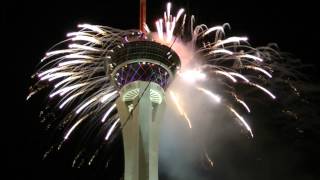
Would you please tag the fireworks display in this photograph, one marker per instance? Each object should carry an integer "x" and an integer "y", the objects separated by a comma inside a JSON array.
[{"x": 85, "y": 77}]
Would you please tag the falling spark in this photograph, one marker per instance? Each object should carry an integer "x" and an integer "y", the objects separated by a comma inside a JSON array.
[
  {"x": 176, "y": 101},
  {"x": 208, "y": 158},
  {"x": 111, "y": 129},
  {"x": 242, "y": 103},
  {"x": 73, "y": 62},
  {"x": 231, "y": 40},
  {"x": 93, "y": 157},
  {"x": 146, "y": 28},
  {"x": 66, "y": 89},
  {"x": 108, "y": 112},
  {"x": 159, "y": 29},
  {"x": 93, "y": 28},
  {"x": 216, "y": 28},
  {"x": 66, "y": 80},
  {"x": 49, "y": 71},
  {"x": 259, "y": 69},
  {"x": 226, "y": 74},
  {"x": 79, "y": 33},
  {"x": 85, "y": 105},
  {"x": 86, "y": 38},
  {"x": 56, "y": 75},
  {"x": 56, "y": 52},
  {"x": 187, "y": 119},
  {"x": 210, "y": 94},
  {"x": 168, "y": 9},
  {"x": 72, "y": 56},
  {"x": 74, "y": 126},
  {"x": 60, "y": 75},
  {"x": 180, "y": 12},
  {"x": 242, "y": 120},
  {"x": 69, "y": 99},
  {"x": 223, "y": 51},
  {"x": 181, "y": 111},
  {"x": 264, "y": 89},
  {"x": 83, "y": 47},
  {"x": 239, "y": 76},
  {"x": 250, "y": 57},
  {"x": 108, "y": 96}
]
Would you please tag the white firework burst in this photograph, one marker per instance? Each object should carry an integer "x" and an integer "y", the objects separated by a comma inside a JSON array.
[{"x": 80, "y": 74}]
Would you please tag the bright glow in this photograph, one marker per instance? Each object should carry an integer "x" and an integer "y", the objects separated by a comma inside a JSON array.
[
  {"x": 108, "y": 112},
  {"x": 112, "y": 129},
  {"x": 192, "y": 75},
  {"x": 215, "y": 97}
]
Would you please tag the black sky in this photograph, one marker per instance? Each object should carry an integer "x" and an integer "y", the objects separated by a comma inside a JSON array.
[{"x": 30, "y": 28}]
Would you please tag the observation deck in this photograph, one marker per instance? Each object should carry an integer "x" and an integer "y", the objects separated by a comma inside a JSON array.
[{"x": 143, "y": 61}]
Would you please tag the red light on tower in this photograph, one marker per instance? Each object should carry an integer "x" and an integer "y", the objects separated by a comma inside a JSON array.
[{"x": 143, "y": 14}]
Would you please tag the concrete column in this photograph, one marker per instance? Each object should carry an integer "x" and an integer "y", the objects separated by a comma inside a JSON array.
[{"x": 141, "y": 130}]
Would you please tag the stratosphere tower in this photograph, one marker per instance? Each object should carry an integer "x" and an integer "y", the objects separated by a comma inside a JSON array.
[
  {"x": 142, "y": 70},
  {"x": 113, "y": 81}
]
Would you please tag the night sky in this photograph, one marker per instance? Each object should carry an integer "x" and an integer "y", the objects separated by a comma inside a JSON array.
[{"x": 30, "y": 28}]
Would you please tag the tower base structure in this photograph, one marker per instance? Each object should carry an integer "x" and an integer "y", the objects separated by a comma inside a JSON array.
[{"x": 141, "y": 105}]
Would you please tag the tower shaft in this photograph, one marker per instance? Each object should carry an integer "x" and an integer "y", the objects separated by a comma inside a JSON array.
[{"x": 141, "y": 129}]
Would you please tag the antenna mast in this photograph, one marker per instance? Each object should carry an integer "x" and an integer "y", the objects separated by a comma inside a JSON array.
[{"x": 143, "y": 4}]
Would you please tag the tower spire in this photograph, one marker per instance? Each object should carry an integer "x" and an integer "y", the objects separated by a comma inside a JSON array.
[{"x": 143, "y": 4}]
